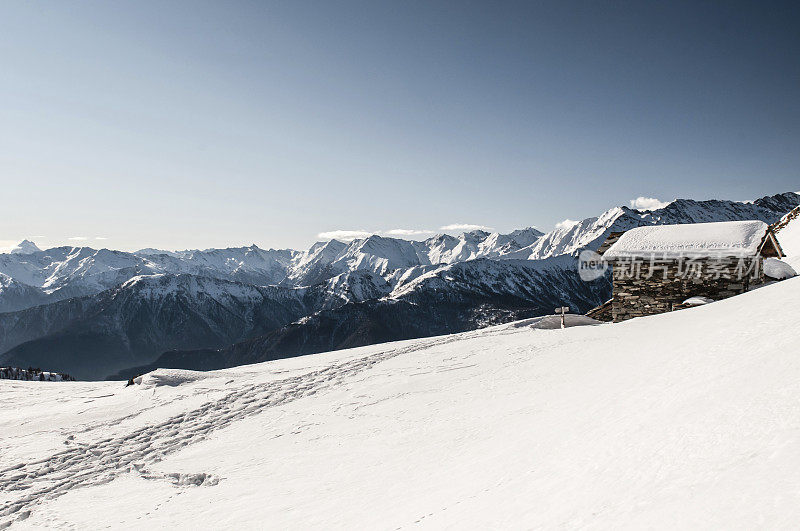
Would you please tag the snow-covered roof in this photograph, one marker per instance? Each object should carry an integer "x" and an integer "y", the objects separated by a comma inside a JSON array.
[{"x": 728, "y": 238}]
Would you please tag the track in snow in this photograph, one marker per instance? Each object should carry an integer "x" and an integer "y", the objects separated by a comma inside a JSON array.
[{"x": 29, "y": 484}]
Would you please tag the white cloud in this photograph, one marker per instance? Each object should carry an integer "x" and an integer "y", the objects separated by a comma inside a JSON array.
[
  {"x": 407, "y": 232},
  {"x": 567, "y": 223},
  {"x": 349, "y": 235},
  {"x": 648, "y": 203},
  {"x": 78, "y": 238},
  {"x": 464, "y": 226},
  {"x": 345, "y": 235},
  {"x": 7, "y": 245},
  {"x": 100, "y": 238}
]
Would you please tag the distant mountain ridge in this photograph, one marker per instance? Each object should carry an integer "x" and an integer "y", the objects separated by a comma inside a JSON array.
[
  {"x": 95, "y": 312},
  {"x": 63, "y": 272}
]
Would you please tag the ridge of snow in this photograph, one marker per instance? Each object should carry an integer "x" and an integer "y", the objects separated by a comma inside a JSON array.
[{"x": 788, "y": 236}]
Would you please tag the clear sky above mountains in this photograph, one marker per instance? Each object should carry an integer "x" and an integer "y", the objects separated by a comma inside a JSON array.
[{"x": 200, "y": 124}]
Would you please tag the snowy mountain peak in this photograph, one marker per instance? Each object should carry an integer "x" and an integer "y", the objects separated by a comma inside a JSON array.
[
  {"x": 475, "y": 235},
  {"x": 329, "y": 248},
  {"x": 25, "y": 247},
  {"x": 528, "y": 231},
  {"x": 441, "y": 238}
]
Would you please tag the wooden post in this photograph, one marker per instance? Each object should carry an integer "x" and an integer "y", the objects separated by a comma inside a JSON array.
[{"x": 562, "y": 310}]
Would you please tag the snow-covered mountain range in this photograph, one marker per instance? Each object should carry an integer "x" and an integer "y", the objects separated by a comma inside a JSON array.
[
  {"x": 30, "y": 276},
  {"x": 93, "y": 312}
]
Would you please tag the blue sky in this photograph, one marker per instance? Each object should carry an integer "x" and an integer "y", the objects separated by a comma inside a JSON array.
[{"x": 199, "y": 124}]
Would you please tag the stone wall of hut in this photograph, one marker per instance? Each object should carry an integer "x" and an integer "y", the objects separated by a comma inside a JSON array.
[{"x": 647, "y": 287}]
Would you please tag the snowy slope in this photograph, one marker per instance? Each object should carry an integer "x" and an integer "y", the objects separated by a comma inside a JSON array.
[
  {"x": 788, "y": 235},
  {"x": 503, "y": 277},
  {"x": 681, "y": 420},
  {"x": 356, "y": 286},
  {"x": 15, "y": 295},
  {"x": 789, "y": 238},
  {"x": 314, "y": 265}
]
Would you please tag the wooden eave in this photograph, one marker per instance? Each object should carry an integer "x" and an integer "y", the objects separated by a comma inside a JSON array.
[
  {"x": 770, "y": 247},
  {"x": 610, "y": 240}
]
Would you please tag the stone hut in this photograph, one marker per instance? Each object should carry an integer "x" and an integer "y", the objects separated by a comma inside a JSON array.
[{"x": 658, "y": 268}]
